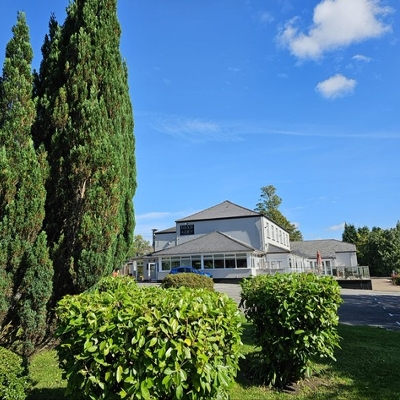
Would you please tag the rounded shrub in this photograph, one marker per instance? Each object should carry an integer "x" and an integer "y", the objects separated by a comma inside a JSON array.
[
  {"x": 295, "y": 317},
  {"x": 149, "y": 343},
  {"x": 14, "y": 382},
  {"x": 111, "y": 283},
  {"x": 188, "y": 280}
]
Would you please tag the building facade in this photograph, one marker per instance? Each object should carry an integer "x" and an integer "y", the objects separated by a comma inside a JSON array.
[{"x": 230, "y": 242}]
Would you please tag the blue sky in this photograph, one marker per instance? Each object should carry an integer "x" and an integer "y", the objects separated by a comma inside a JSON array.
[{"x": 233, "y": 95}]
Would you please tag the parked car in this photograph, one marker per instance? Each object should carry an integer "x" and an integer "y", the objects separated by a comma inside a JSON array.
[{"x": 183, "y": 269}]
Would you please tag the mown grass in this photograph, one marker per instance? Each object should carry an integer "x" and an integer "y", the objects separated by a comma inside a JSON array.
[{"x": 367, "y": 368}]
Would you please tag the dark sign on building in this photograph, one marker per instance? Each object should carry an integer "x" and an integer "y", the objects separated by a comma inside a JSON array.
[{"x": 187, "y": 229}]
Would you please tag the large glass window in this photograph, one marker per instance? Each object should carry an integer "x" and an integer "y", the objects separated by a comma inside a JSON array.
[
  {"x": 166, "y": 264},
  {"x": 175, "y": 262},
  {"x": 196, "y": 262},
  {"x": 230, "y": 261},
  {"x": 241, "y": 261},
  {"x": 219, "y": 261},
  {"x": 208, "y": 262},
  {"x": 186, "y": 262}
]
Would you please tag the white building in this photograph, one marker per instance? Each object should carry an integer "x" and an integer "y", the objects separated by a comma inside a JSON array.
[{"x": 230, "y": 242}]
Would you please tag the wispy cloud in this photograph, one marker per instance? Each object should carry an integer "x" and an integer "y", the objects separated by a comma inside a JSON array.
[
  {"x": 336, "y": 24},
  {"x": 193, "y": 129},
  {"x": 339, "y": 227},
  {"x": 360, "y": 57},
  {"x": 197, "y": 130},
  {"x": 336, "y": 86},
  {"x": 265, "y": 17},
  {"x": 157, "y": 220}
]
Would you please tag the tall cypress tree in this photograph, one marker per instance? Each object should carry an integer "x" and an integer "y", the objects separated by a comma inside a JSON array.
[
  {"x": 90, "y": 145},
  {"x": 25, "y": 268}
]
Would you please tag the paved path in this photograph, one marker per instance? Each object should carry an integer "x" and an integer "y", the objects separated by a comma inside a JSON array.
[{"x": 377, "y": 307}]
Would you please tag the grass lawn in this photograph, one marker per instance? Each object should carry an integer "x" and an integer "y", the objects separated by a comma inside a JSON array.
[{"x": 367, "y": 368}]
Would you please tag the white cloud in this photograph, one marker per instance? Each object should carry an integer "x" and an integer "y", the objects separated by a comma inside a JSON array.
[
  {"x": 360, "y": 57},
  {"x": 193, "y": 129},
  {"x": 336, "y": 23},
  {"x": 336, "y": 86},
  {"x": 339, "y": 227},
  {"x": 197, "y": 130},
  {"x": 265, "y": 18}
]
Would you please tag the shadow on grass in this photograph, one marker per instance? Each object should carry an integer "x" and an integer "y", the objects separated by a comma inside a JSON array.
[
  {"x": 366, "y": 368},
  {"x": 47, "y": 394},
  {"x": 367, "y": 363}
]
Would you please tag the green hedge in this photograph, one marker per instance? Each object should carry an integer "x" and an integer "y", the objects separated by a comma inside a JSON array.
[
  {"x": 188, "y": 280},
  {"x": 14, "y": 381},
  {"x": 295, "y": 319},
  {"x": 112, "y": 283},
  {"x": 149, "y": 343}
]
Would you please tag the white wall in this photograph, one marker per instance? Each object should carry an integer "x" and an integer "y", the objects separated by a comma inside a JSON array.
[
  {"x": 247, "y": 230},
  {"x": 346, "y": 259},
  {"x": 256, "y": 231},
  {"x": 164, "y": 240}
]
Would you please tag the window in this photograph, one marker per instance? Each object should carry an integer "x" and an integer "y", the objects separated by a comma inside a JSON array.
[
  {"x": 219, "y": 261},
  {"x": 208, "y": 262},
  {"x": 241, "y": 261},
  {"x": 175, "y": 262},
  {"x": 230, "y": 261},
  {"x": 186, "y": 261},
  {"x": 196, "y": 262},
  {"x": 166, "y": 264}
]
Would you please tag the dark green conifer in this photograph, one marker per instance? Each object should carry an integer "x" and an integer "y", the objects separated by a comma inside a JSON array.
[
  {"x": 90, "y": 145},
  {"x": 25, "y": 268}
]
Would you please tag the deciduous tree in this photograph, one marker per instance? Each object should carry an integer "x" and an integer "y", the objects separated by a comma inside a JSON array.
[{"x": 268, "y": 205}]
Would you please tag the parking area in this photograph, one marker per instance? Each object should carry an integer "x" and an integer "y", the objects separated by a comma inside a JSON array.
[{"x": 379, "y": 307}]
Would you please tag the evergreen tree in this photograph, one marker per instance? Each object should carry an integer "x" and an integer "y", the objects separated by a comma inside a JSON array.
[
  {"x": 349, "y": 234},
  {"x": 86, "y": 125},
  {"x": 25, "y": 268},
  {"x": 268, "y": 206}
]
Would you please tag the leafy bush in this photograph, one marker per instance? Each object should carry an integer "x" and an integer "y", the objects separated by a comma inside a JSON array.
[
  {"x": 112, "y": 283},
  {"x": 295, "y": 319},
  {"x": 188, "y": 280},
  {"x": 149, "y": 343},
  {"x": 14, "y": 382}
]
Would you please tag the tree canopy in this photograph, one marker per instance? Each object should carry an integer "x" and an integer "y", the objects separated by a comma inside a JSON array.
[
  {"x": 268, "y": 205},
  {"x": 378, "y": 248},
  {"x": 139, "y": 247},
  {"x": 67, "y": 167},
  {"x": 86, "y": 127},
  {"x": 25, "y": 268}
]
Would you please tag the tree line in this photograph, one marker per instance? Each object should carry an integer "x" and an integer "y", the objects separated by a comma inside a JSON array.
[
  {"x": 67, "y": 167},
  {"x": 377, "y": 248}
]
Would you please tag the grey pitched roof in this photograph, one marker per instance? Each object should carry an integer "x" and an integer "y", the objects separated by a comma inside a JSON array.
[
  {"x": 328, "y": 248},
  {"x": 168, "y": 230},
  {"x": 215, "y": 242},
  {"x": 223, "y": 210}
]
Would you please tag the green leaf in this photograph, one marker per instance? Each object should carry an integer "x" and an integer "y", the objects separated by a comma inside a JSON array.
[{"x": 119, "y": 373}]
